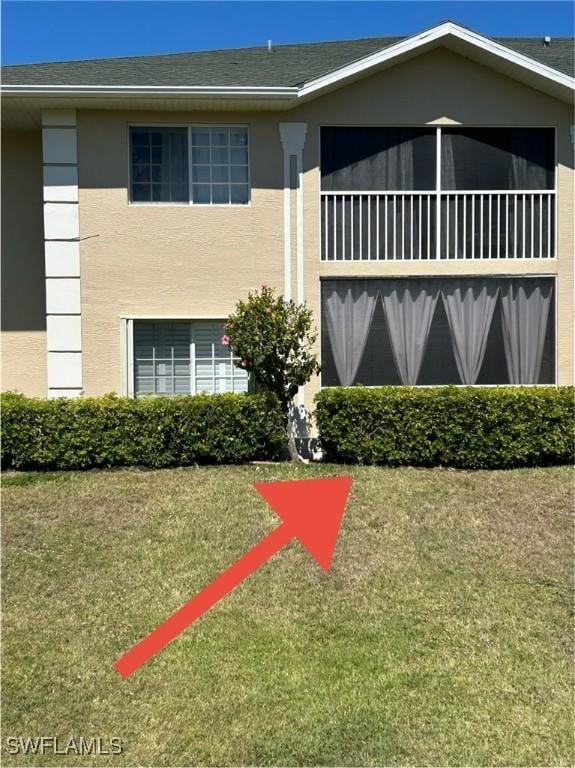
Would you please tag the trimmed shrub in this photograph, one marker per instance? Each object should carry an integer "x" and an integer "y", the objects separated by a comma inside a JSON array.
[
  {"x": 153, "y": 432},
  {"x": 447, "y": 426}
]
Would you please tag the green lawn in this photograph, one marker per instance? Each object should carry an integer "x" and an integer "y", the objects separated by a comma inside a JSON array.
[{"x": 441, "y": 635}]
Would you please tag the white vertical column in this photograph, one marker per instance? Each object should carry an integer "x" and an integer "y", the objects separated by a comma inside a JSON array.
[
  {"x": 299, "y": 233},
  {"x": 127, "y": 355},
  {"x": 62, "y": 253},
  {"x": 438, "y": 193},
  {"x": 293, "y": 140}
]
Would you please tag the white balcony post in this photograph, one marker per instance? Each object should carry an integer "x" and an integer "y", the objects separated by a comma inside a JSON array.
[
  {"x": 293, "y": 139},
  {"x": 437, "y": 192}
]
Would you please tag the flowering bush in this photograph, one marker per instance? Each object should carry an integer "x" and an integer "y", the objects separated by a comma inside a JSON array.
[{"x": 273, "y": 339}]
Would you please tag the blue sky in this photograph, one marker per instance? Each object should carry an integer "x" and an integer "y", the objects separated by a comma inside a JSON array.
[{"x": 80, "y": 29}]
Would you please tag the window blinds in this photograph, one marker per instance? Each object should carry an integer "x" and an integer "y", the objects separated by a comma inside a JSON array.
[{"x": 182, "y": 358}]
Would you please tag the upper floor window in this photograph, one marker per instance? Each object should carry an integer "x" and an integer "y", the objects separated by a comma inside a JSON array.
[
  {"x": 159, "y": 165},
  {"x": 220, "y": 165},
  {"x": 203, "y": 165}
]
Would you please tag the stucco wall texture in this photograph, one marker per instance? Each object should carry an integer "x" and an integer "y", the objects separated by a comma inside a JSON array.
[
  {"x": 195, "y": 262},
  {"x": 23, "y": 341}
]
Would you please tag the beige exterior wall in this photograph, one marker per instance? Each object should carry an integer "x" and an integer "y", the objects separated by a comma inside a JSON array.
[
  {"x": 167, "y": 260},
  {"x": 23, "y": 293},
  {"x": 185, "y": 261},
  {"x": 442, "y": 87}
]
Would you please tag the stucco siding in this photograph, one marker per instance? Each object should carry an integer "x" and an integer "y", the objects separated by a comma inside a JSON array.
[
  {"x": 167, "y": 260},
  {"x": 23, "y": 292},
  {"x": 170, "y": 260},
  {"x": 190, "y": 261},
  {"x": 443, "y": 88}
]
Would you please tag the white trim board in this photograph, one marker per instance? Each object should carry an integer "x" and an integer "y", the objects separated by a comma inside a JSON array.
[
  {"x": 64, "y": 392},
  {"x": 59, "y": 145},
  {"x": 61, "y": 221},
  {"x": 428, "y": 276},
  {"x": 293, "y": 136},
  {"x": 64, "y": 333},
  {"x": 62, "y": 253},
  {"x": 65, "y": 370},
  {"x": 171, "y": 317},
  {"x": 63, "y": 296},
  {"x": 152, "y": 91},
  {"x": 62, "y": 258},
  {"x": 60, "y": 183}
]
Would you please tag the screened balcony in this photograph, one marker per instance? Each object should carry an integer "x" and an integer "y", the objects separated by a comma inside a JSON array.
[
  {"x": 434, "y": 331},
  {"x": 441, "y": 193}
]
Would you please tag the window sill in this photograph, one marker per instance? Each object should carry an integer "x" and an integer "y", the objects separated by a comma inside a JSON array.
[
  {"x": 432, "y": 386},
  {"x": 132, "y": 204}
]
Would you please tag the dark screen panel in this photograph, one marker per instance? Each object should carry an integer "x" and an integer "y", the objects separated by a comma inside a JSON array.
[
  {"x": 497, "y": 158},
  {"x": 363, "y": 159},
  {"x": 377, "y": 367}
]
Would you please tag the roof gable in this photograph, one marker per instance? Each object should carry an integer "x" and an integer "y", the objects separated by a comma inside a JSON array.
[{"x": 463, "y": 41}]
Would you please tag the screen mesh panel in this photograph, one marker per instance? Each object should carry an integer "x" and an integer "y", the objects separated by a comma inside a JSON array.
[
  {"x": 497, "y": 158},
  {"x": 362, "y": 159},
  {"x": 378, "y": 366}
]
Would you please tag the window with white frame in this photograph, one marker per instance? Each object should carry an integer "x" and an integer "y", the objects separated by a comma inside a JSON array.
[
  {"x": 202, "y": 165},
  {"x": 159, "y": 165},
  {"x": 220, "y": 165},
  {"x": 182, "y": 358}
]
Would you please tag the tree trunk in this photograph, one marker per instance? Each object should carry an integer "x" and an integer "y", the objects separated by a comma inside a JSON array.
[
  {"x": 290, "y": 432},
  {"x": 292, "y": 447}
]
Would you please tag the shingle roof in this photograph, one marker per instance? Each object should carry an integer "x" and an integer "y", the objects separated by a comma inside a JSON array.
[
  {"x": 284, "y": 65},
  {"x": 559, "y": 54}
]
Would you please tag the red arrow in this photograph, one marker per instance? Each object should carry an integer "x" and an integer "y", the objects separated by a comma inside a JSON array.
[{"x": 311, "y": 511}]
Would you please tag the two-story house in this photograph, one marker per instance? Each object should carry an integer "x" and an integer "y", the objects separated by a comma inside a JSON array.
[{"x": 417, "y": 193}]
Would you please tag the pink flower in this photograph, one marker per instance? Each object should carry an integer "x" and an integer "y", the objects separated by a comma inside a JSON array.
[
  {"x": 225, "y": 340},
  {"x": 244, "y": 363},
  {"x": 264, "y": 286},
  {"x": 354, "y": 498}
]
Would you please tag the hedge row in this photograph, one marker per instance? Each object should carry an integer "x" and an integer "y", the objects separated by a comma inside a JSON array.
[
  {"x": 153, "y": 432},
  {"x": 447, "y": 426}
]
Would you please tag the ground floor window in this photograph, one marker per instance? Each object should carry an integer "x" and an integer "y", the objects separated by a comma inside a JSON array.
[
  {"x": 182, "y": 358},
  {"x": 425, "y": 331}
]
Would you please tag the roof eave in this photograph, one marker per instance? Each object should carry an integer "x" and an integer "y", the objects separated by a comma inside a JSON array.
[{"x": 152, "y": 91}]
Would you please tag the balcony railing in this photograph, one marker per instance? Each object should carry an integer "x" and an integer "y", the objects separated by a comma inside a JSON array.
[{"x": 388, "y": 226}]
